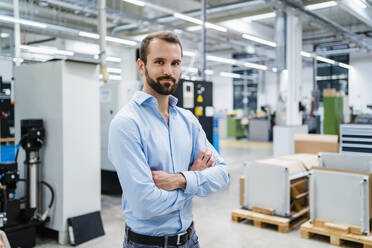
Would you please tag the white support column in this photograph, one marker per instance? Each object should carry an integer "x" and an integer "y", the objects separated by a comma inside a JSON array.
[{"x": 294, "y": 67}]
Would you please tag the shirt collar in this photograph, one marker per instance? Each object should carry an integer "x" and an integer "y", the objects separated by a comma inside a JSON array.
[{"x": 140, "y": 97}]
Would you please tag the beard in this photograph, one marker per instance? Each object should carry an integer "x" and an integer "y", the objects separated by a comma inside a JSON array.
[{"x": 162, "y": 89}]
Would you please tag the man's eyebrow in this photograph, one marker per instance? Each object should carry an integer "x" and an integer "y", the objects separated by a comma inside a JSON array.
[
  {"x": 177, "y": 60},
  {"x": 158, "y": 58}
]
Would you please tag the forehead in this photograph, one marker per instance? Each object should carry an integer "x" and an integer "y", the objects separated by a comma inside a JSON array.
[{"x": 162, "y": 49}]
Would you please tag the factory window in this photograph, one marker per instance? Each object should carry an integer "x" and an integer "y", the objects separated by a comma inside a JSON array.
[
  {"x": 245, "y": 95},
  {"x": 245, "y": 89},
  {"x": 332, "y": 76}
]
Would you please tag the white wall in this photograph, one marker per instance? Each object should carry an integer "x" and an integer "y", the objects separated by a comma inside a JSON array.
[
  {"x": 222, "y": 89},
  {"x": 360, "y": 83}
]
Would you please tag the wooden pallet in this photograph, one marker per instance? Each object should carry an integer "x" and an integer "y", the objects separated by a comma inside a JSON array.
[
  {"x": 337, "y": 233},
  {"x": 284, "y": 224}
]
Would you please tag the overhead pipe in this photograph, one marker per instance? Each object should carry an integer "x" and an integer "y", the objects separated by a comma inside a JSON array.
[
  {"x": 216, "y": 38},
  {"x": 45, "y": 13},
  {"x": 329, "y": 23},
  {"x": 204, "y": 40},
  {"x": 215, "y": 10}
]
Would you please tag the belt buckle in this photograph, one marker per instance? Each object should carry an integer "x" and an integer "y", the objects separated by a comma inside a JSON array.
[{"x": 179, "y": 238}]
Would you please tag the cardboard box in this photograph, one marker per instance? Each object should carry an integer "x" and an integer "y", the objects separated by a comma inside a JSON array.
[
  {"x": 315, "y": 143},
  {"x": 308, "y": 160},
  {"x": 293, "y": 166},
  {"x": 329, "y": 92}
]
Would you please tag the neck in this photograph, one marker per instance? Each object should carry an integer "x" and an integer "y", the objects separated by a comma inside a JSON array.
[{"x": 163, "y": 100}]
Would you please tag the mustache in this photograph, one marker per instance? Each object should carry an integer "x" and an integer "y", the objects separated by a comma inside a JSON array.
[{"x": 166, "y": 77}]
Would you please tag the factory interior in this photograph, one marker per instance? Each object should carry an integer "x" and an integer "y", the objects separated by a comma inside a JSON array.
[{"x": 281, "y": 88}]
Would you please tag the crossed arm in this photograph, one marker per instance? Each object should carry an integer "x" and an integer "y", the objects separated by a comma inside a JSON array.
[{"x": 169, "y": 181}]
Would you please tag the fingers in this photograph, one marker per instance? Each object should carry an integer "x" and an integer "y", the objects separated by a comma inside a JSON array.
[
  {"x": 201, "y": 154},
  {"x": 207, "y": 156},
  {"x": 211, "y": 162}
]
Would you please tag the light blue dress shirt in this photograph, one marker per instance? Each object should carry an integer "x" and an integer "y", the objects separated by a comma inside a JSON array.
[{"x": 141, "y": 141}]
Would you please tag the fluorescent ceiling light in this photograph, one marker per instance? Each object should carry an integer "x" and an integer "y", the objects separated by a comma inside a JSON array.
[
  {"x": 215, "y": 27},
  {"x": 189, "y": 53},
  {"x": 259, "y": 17},
  {"x": 135, "y": 2},
  {"x": 108, "y": 38},
  {"x": 194, "y": 28},
  {"x": 274, "y": 69},
  {"x": 188, "y": 18},
  {"x": 113, "y": 59},
  {"x": 22, "y": 21},
  {"x": 4, "y": 35},
  {"x": 344, "y": 65},
  {"x": 191, "y": 69},
  {"x": 321, "y": 5},
  {"x": 47, "y": 50},
  {"x": 209, "y": 72},
  {"x": 309, "y": 7},
  {"x": 259, "y": 40},
  {"x": 121, "y": 41},
  {"x": 89, "y": 35},
  {"x": 195, "y": 70},
  {"x": 114, "y": 70},
  {"x": 230, "y": 75},
  {"x": 112, "y": 77},
  {"x": 326, "y": 60},
  {"x": 199, "y": 22},
  {"x": 222, "y": 60},
  {"x": 115, "y": 77},
  {"x": 360, "y": 4},
  {"x": 306, "y": 54},
  {"x": 255, "y": 66},
  {"x": 236, "y": 62}
]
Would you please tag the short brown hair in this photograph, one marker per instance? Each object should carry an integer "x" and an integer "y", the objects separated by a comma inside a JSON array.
[{"x": 164, "y": 35}]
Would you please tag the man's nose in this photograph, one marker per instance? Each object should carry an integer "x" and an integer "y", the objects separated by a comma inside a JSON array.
[{"x": 167, "y": 69}]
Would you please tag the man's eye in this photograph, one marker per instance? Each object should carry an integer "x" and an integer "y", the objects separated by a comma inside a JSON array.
[{"x": 159, "y": 62}]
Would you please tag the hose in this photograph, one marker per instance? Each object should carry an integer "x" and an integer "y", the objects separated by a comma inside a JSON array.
[{"x": 45, "y": 214}]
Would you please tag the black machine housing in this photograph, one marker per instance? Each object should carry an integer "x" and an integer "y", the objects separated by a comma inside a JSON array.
[
  {"x": 17, "y": 219},
  {"x": 202, "y": 90}
]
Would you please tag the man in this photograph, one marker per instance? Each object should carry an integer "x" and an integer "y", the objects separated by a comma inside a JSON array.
[{"x": 161, "y": 153}]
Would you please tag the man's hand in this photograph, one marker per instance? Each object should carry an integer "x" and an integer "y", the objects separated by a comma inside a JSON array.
[
  {"x": 203, "y": 161},
  {"x": 167, "y": 181}
]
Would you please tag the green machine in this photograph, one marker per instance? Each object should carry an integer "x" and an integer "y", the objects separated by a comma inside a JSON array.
[
  {"x": 235, "y": 128},
  {"x": 333, "y": 113}
]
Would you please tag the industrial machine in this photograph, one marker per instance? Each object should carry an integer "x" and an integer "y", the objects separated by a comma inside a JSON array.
[
  {"x": 109, "y": 100},
  {"x": 19, "y": 217},
  {"x": 333, "y": 114},
  {"x": 197, "y": 96}
]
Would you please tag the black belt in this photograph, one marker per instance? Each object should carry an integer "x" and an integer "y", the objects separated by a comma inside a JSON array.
[{"x": 175, "y": 240}]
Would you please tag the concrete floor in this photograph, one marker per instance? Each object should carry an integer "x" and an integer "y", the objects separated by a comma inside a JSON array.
[{"x": 212, "y": 215}]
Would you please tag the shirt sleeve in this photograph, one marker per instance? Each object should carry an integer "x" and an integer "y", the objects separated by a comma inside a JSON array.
[
  {"x": 208, "y": 181},
  {"x": 126, "y": 153}
]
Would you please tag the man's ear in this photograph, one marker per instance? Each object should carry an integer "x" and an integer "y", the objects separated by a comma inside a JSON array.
[{"x": 141, "y": 66}]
